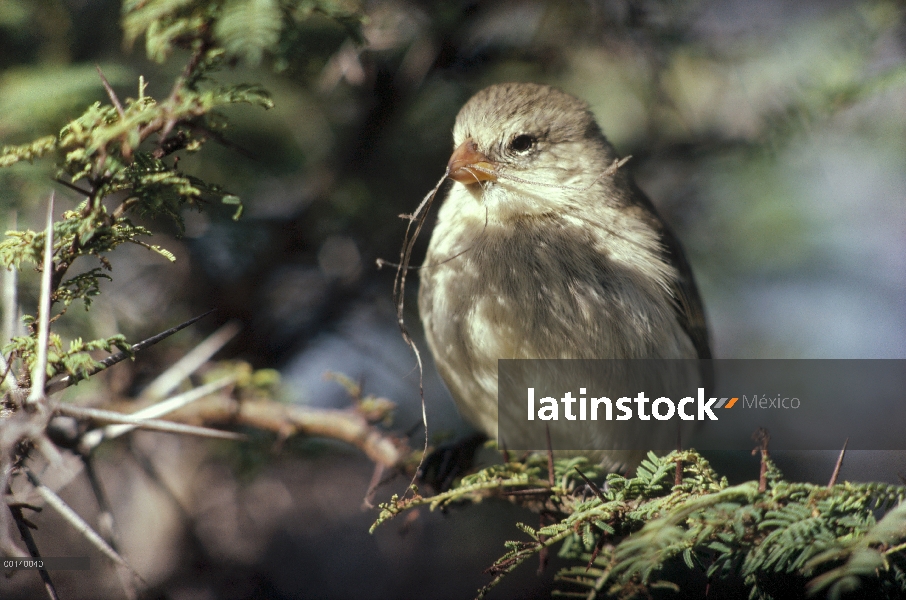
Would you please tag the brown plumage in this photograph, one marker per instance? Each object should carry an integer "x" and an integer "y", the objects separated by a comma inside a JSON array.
[{"x": 545, "y": 249}]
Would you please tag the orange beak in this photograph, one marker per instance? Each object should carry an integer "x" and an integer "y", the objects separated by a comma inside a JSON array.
[{"x": 465, "y": 163}]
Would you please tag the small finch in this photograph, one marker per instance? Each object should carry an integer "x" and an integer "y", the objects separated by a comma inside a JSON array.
[{"x": 545, "y": 248}]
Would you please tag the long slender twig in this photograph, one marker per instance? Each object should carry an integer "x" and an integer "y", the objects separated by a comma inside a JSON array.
[
  {"x": 8, "y": 546},
  {"x": 591, "y": 484},
  {"x": 399, "y": 289},
  {"x": 110, "y": 93},
  {"x": 79, "y": 524},
  {"x": 344, "y": 425},
  {"x": 10, "y": 292},
  {"x": 376, "y": 478},
  {"x": 145, "y": 416},
  {"x": 29, "y": 540},
  {"x": 530, "y": 492},
  {"x": 10, "y": 312},
  {"x": 111, "y": 360},
  {"x": 762, "y": 437},
  {"x": 836, "y": 473},
  {"x": 110, "y": 416},
  {"x": 167, "y": 381},
  {"x": 75, "y": 188},
  {"x": 39, "y": 372},
  {"x": 550, "y": 457}
]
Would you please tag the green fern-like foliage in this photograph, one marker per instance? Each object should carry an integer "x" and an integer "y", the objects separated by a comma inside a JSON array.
[
  {"x": 123, "y": 155},
  {"x": 646, "y": 536},
  {"x": 247, "y": 30},
  {"x": 105, "y": 147},
  {"x": 75, "y": 360}
]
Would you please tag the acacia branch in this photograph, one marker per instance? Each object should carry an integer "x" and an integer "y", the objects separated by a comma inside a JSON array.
[
  {"x": 109, "y": 416},
  {"x": 111, "y": 360},
  {"x": 79, "y": 524},
  {"x": 24, "y": 530},
  {"x": 347, "y": 425}
]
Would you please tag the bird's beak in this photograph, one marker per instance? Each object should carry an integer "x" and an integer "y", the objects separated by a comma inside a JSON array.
[{"x": 465, "y": 163}]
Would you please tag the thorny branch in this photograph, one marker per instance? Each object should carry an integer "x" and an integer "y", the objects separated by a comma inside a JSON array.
[
  {"x": 215, "y": 404},
  {"x": 28, "y": 406},
  {"x": 24, "y": 526}
]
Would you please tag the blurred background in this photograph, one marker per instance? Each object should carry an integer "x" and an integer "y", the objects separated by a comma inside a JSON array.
[{"x": 770, "y": 135}]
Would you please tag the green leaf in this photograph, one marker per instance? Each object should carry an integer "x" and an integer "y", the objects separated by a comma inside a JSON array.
[
  {"x": 10, "y": 155},
  {"x": 249, "y": 28}
]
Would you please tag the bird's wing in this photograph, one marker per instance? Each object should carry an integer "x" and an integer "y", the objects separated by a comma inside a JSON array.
[
  {"x": 688, "y": 305},
  {"x": 689, "y": 309}
]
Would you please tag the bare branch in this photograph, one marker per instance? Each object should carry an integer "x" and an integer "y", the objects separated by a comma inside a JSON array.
[
  {"x": 167, "y": 381},
  {"x": 122, "y": 208},
  {"x": 762, "y": 437},
  {"x": 111, "y": 360},
  {"x": 78, "y": 523},
  {"x": 10, "y": 291},
  {"x": 8, "y": 546},
  {"x": 550, "y": 457},
  {"x": 113, "y": 97},
  {"x": 154, "y": 424},
  {"x": 74, "y": 188},
  {"x": 39, "y": 373},
  {"x": 591, "y": 484},
  {"x": 836, "y": 473},
  {"x": 348, "y": 425},
  {"x": 10, "y": 311},
  {"x": 143, "y": 417},
  {"x": 29, "y": 540}
]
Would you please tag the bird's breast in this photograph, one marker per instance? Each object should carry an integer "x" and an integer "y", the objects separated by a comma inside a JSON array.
[
  {"x": 538, "y": 288},
  {"x": 534, "y": 288}
]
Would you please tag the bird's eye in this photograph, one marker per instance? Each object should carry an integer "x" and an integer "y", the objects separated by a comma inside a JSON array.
[{"x": 522, "y": 143}]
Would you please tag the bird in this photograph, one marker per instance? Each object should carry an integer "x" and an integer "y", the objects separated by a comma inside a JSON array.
[{"x": 545, "y": 247}]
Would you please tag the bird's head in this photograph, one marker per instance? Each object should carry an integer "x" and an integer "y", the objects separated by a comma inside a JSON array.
[{"x": 534, "y": 139}]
